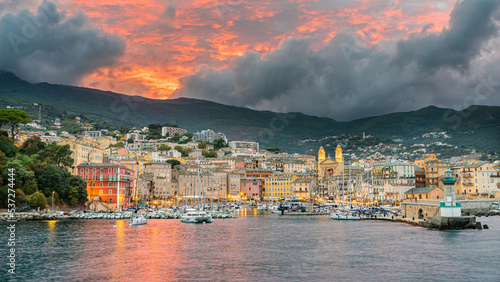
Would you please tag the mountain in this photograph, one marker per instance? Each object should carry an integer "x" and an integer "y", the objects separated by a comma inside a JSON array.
[{"x": 476, "y": 127}]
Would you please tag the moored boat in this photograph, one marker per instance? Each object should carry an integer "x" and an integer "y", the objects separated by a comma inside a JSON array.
[
  {"x": 194, "y": 216},
  {"x": 138, "y": 220},
  {"x": 344, "y": 216}
]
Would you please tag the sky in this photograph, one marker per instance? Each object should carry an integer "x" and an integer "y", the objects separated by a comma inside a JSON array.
[{"x": 338, "y": 59}]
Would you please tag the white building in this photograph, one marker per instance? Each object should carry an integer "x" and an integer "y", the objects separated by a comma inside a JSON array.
[
  {"x": 208, "y": 136},
  {"x": 244, "y": 144}
]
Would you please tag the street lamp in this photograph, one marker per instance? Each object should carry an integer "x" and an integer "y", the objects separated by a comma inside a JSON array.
[{"x": 53, "y": 192}]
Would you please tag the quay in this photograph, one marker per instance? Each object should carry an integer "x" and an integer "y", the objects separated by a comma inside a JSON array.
[
  {"x": 436, "y": 222},
  {"x": 34, "y": 216}
]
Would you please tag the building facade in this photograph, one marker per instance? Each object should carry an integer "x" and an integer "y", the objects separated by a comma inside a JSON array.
[{"x": 113, "y": 184}]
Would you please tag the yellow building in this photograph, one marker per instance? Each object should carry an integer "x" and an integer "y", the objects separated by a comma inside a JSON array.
[
  {"x": 420, "y": 163},
  {"x": 82, "y": 153},
  {"x": 278, "y": 186},
  {"x": 434, "y": 171}
]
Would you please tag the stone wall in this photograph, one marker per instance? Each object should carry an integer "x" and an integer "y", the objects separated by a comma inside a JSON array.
[
  {"x": 453, "y": 223},
  {"x": 411, "y": 210}
]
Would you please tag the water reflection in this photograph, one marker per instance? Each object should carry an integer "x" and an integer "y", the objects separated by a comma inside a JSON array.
[{"x": 254, "y": 247}]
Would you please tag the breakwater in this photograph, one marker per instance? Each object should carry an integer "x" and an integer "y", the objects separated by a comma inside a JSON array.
[{"x": 34, "y": 216}]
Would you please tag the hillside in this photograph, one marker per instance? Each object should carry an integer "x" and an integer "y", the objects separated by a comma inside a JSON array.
[{"x": 476, "y": 127}]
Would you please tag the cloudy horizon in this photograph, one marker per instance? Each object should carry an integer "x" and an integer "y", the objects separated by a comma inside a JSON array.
[{"x": 342, "y": 60}]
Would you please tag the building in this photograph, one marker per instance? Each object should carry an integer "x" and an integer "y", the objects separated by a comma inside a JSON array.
[
  {"x": 328, "y": 167},
  {"x": 476, "y": 179},
  {"x": 244, "y": 144},
  {"x": 172, "y": 131},
  {"x": 208, "y": 136},
  {"x": 112, "y": 184},
  {"x": 161, "y": 177},
  {"x": 424, "y": 193},
  {"x": 278, "y": 186},
  {"x": 82, "y": 153},
  {"x": 434, "y": 171},
  {"x": 392, "y": 179},
  {"x": 234, "y": 183},
  {"x": 419, "y": 177},
  {"x": 93, "y": 134},
  {"x": 302, "y": 188},
  {"x": 250, "y": 188}
]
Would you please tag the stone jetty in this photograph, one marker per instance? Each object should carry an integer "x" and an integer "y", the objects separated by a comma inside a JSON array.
[{"x": 34, "y": 216}]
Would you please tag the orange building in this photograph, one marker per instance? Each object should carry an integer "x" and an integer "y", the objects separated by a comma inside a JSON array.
[{"x": 111, "y": 183}]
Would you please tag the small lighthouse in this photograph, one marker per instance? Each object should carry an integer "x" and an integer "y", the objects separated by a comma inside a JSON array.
[{"x": 449, "y": 207}]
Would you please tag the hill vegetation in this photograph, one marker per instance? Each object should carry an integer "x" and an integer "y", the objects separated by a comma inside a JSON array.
[{"x": 476, "y": 127}]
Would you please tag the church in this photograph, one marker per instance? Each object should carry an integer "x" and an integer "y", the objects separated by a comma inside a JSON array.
[{"x": 328, "y": 167}]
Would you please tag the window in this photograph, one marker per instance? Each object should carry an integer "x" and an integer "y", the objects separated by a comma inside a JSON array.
[
  {"x": 101, "y": 192},
  {"x": 93, "y": 184},
  {"x": 110, "y": 192},
  {"x": 86, "y": 170},
  {"x": 81, "y": 171}
]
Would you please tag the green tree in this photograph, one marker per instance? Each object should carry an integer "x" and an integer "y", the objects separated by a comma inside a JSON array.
[
  {"x": 273, "y": 149},
  {"x": 32, "y": 145},
  {"x": 173, "y": 163},
  {"x": 53, "y": 178},
  {"x": 178, "y": 149},
  {"x": 7, "y": 146},
  {"x": 21, "y": 173},
  {"x": 204, "y": 153},
  {"x": 20, "y": 197},
  {"x": 29, "y": 187},
  {"x": 37, "y": 200},
  {"x": 130, "y": 140},
  {"x": 164, "y": 147},
  {"x": 219, "y": 143},
  {"x": 186, "y": 151},
  {"x": 59, "y": 155},
  {"x": 117, "y": 145},
  {"x": 202, "y": 145},
  {"x": 13, "y": 118},
  {"x": 80, "y": 185}
]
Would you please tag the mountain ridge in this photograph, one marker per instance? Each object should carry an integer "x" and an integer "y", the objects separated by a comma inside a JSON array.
[{"x": 286, "y": 130}]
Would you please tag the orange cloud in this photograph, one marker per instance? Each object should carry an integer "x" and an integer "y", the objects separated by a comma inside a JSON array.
[{"x": 163, "y": 47}]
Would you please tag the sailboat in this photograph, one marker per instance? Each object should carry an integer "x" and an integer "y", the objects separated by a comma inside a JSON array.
[
  {"x": 193, "y": 215},
  {"x": 137, "y": 219}
]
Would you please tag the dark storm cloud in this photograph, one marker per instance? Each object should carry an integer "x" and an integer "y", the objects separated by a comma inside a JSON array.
[
  {"x": 47, "y": 46},
  {"x": 471, "y": 26},
  {"x": 345, "y": 80}
]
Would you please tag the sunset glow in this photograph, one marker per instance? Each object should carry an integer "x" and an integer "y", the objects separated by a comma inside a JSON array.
[{"x": 167, "y": 40}]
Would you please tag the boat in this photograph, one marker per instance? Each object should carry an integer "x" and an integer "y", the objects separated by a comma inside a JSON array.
[
  {"x": 194, "y": 216},
  {"x": 137, "y": 220},
  {"x": 344, "y": 216}
]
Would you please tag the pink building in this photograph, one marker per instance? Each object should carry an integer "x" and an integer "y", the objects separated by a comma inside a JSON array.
[{"x": 251, "y": 188}]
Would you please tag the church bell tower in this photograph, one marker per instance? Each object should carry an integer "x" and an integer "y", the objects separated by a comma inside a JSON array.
[
  {"x": 338, "y": 154},
  {"x": 321, "y": 155}
]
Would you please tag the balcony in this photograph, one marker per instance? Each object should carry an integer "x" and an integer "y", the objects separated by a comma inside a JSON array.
[
  {"x": 467, "y": 183},
  {"x": 495, "y": 174},
  {"x": 467, "y": 175}
]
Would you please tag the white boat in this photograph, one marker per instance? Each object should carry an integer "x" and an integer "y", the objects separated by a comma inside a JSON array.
[
  {"x": 194, "y": 216},
  {"x": 344, "y": 216},
  {"x": 261, "y": 207},
  {"x": 137, "y": 220}
]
